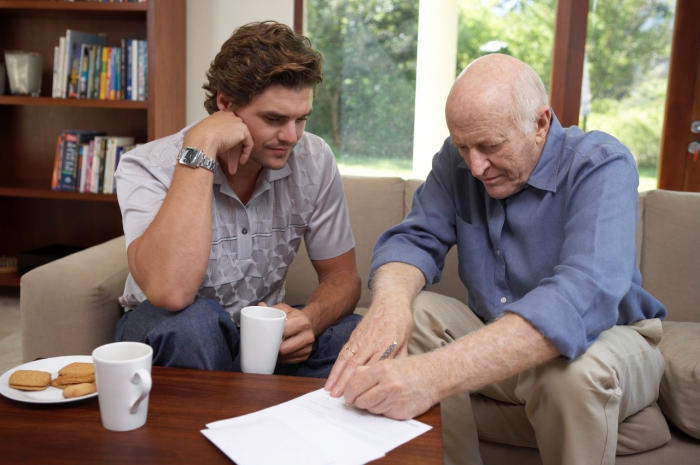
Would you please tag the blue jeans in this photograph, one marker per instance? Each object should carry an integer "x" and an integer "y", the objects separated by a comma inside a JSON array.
[{"x": 204, "y": 337}]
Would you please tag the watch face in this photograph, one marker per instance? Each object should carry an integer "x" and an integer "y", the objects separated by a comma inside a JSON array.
[{"x": 189, "y": 157}]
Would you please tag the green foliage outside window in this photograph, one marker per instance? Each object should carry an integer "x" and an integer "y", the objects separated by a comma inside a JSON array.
[{"x": 365, "y": 107}]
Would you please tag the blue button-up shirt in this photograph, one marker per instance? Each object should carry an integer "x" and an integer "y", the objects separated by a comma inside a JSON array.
[{"x": 560, "y": 252}]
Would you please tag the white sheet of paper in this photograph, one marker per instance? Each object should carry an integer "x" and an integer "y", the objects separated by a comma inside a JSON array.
[{"x": 314, "y": 429}]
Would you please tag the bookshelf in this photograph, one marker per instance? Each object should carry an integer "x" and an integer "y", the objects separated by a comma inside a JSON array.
[{"x": 32, "y": 215}]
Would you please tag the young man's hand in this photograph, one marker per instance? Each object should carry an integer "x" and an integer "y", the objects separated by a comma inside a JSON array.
[{"x": 223, "y": 135}]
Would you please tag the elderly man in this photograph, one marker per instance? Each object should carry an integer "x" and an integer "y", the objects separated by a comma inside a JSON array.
[
  {"x": 543, "y": 218},
  {"x": 214, "y": 216}
]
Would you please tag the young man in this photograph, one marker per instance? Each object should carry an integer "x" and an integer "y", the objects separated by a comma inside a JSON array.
[
  {"x": 543, "y": 218},
  {"x": 214, "y": 215}
]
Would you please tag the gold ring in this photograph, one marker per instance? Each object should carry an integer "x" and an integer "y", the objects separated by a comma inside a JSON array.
[{"x": 353, "y": 352}]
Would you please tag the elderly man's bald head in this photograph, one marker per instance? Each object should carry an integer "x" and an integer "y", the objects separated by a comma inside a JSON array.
[{"x": 501, "y": 81}]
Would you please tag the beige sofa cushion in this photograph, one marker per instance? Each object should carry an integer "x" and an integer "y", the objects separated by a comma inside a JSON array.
[
  {"x": 670, "y": 264},
  {"x": 375, "y": 204},
  {"x": 508, "y": 424},
  {"x": 679, "y": 393}
]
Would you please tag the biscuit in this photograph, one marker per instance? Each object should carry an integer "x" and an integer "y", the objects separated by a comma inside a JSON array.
[
  {"x": 65, "y": 380},
  {"x": 77, "y": 369},
  {"x": 30, "y": 380},
  {"x": 74, "y": 373},
  {"x": 79, "y": 390}
]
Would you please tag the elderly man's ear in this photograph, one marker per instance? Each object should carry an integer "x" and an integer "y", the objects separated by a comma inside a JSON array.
[{"x": 544, "y": 116}]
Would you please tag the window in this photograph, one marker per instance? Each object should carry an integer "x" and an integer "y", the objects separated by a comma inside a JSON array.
[
  {"x": 365, "y": 107},
  {"x": 626, "y": 66},
  {"x": 375, "y": 64}
]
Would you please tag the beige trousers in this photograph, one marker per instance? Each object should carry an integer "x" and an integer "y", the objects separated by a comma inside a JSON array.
[{"x": 574, "y": 407}]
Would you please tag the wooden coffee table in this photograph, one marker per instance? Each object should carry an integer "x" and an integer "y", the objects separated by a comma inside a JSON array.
[{"x": 182, "y": 402}]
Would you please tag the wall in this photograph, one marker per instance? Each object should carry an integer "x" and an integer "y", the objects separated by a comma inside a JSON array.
[{"x": 209, "y": 24}]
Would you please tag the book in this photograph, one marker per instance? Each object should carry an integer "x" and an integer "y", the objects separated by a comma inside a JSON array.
[
  {"x": 60, "y": 71},
  {"x": 83, "y": 156},
  {"x": 54, "y": 82},
  {"x": 103, "y": 73},
  {"x": 76, "y": 37},
  {"x": 97, "y": 72},
  {"x": 84, "y": 74},
  {"x": 134, "y": 69},
  {"x": 98, "y": 165},
  {"x": 122, "y": 70},
  {"x": 74, "y": 67},
  {"x": 110, "y": 164},
  {"x": 57, "y": 162},
  {"x": 142, "y": 67},
  {"x": 72, "y": 139}
]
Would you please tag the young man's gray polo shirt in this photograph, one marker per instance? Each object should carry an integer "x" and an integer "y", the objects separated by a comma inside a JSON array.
[{"x": 253, "y": 245}]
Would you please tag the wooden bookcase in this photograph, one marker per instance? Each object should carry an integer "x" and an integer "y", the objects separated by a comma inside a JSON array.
[{"x": 31, "y": 214}]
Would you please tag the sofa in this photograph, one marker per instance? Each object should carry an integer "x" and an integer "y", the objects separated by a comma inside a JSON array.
[{"x": 69, "y": 307}]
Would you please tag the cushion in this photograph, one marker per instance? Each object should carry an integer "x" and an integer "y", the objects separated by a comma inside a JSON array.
[
  {"x": 679, "y": 393},
  {"x": 670, "y": 257},
  {"x": 508, "y": 424}
]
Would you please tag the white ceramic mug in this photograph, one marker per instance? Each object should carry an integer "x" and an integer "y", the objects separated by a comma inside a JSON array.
[
  {"x": 123, "y": 376},
  {"x": 261, "y": 337}
]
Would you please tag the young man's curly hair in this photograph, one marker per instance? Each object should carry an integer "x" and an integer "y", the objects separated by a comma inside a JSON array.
[{"x": 256, "y": 56}]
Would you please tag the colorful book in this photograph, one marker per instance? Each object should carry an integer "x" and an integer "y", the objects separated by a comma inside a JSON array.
[
  {"x": 113, "y": 143},
  {"x": 142, "y": 69},
  {"x": 57, "y": 162},
  {"x": 76, "y": 37},
  {"x": 74, "y": 76},
  {"x": 83, "y": 157},
  {"x": 54, "y": 82},
  {"x": 72, "y": 139},
  {"x": 134, "y": 69},
  {"x": 103, "y": 73},
  {"x": 83, "y": 80},
  {"x": 97, "y": 73}
]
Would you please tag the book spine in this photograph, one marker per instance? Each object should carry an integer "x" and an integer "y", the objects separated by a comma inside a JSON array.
[
  {"x": 67, "y": 178},
  {"x": 134, "y": 69},
  {"x": 95, "y": 172},
  {"x": 74, "y": 72},
  {"x": 54, "y": 82},
  {"x": 84, "y": 71},
  {"x": 83, "y": 167},
  {"x": 97, "y": 74},
  {"x": 110, "y": 74},
  {"x": 142, "y": 70},
  {"x": 57, "y": 162},
  {"x": 127, "y": 70},
  {"x": 103, "y": 73},
  {"x": 122, "y": 70},
  {"x": 91, "y": 71},
  {"x": 103, "y": 153},
  {"x": 88, "y": 171},
  {"x": 65, "y": 71}
]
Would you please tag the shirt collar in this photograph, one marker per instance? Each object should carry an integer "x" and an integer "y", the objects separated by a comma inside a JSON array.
[{"x": 544, "y": 176}]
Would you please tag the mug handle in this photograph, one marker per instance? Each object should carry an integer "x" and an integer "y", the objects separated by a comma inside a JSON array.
[{"x": 143, "y": 377}]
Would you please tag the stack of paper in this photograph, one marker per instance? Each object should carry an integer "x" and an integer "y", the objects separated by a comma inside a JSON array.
[{"x": 314, "y": 429}]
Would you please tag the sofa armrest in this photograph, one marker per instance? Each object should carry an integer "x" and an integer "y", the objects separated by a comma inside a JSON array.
[{"x": 69, "y": 306}]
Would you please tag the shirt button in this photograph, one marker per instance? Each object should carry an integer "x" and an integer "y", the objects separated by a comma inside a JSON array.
[
  {"x": 245, "y": 231},
  {"x": 503, "y": 300},
  {"x": 498, "y": 253}
]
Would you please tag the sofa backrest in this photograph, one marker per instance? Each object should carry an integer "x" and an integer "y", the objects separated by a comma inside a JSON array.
[
  {"x": 670, "y": 256},
  {"x": 667, "y": 240},
  {"x": 375, "y": 204}
]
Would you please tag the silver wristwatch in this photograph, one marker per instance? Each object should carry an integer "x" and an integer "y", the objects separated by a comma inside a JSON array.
[{"x": 194, "y": 158}]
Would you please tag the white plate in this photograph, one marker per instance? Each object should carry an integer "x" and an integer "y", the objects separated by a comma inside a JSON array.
[{"x": 50, "y": 395}]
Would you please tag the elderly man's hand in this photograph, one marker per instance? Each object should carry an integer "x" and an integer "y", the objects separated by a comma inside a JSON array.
[
  {"x": 401, "y": 389},
  {"x": 384, "y": 324}
]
